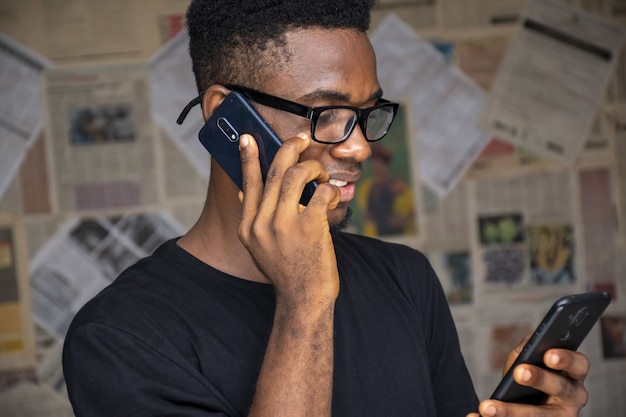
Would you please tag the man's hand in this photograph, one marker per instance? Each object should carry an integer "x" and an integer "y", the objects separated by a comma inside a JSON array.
[
  {"x": 292, "y": 246},
  {"x": 290, "y": 243},
  {"x": 564, "y": 385}
]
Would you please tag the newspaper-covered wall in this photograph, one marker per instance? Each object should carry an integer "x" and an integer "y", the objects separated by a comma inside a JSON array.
[{"x": 96, "y": 173}]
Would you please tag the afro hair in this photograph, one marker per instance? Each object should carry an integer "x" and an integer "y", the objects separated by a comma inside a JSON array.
[{"x": 237, "y": 41}]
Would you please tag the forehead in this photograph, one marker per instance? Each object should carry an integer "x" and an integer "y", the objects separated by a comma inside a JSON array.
[{"x": 332, "y": 60}]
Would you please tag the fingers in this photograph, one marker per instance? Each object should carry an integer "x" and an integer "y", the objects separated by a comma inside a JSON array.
[
  {"x": 493, "y": 408},
  {"x": 514, "y": 354},
  {"x": 566, "y": 384},
  {"x": 574, "y": 364},
  {"x": 252, "y": 182},
  {"x": 285, "y": 179},
  {"x": 563, "y": 383},
  {"x": 278, "y": 185}
]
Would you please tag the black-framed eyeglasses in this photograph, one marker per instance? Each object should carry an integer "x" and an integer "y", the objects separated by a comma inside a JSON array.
[{"x": 329, "y": 124}]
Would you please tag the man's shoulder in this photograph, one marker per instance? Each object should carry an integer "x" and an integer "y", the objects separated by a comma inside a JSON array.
[
  {"x": 349, "y": 244},
  {"x": 143, "y": 288}
]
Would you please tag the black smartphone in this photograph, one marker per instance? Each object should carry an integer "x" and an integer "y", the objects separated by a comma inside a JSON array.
[
  {"x": 221, "y": 132},
  {"x": 566, "y": 325}
]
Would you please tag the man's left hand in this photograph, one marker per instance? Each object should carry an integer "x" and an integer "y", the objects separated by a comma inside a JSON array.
[{"x": 565, "y": 389}]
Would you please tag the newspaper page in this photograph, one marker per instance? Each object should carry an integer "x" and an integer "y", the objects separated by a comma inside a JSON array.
[
  {"x": 33, "y": 180},
  {"x": 454, "y": 270},
  {"x": 83, "y": 30},
  {"x": 457, "y": 14},
  {"x": 86, "y": 255},
  {"x": 17, "y": 338},
  {"x": 11, "y": 201},
  {"x": 480, "y": 57},
  {"x": 29, "y": 191},
  {"x": 618, "y": 126},
  {"x": 20, "y": 105},
  {"x": 172, "y": 87},
  {"x": 185, "y": 189},
  {"x": 101, "y": 136},
  {"x": 418, "y": 13},
  {"x": 445, "y": 102},
  {"x": 617, "y": 87},
  {"x": 525, "y": 235},
  {"x": 552, "y": 79},
  {"x": 599, "y": 232},
  {"x": 609, "y": 8},
  {"x": 27, "y": 399}
]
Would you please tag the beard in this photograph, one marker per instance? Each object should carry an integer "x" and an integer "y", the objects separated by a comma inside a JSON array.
[{"x": 338, "y": 227}]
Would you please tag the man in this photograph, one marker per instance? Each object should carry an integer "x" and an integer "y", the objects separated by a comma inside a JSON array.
[{"x": 263, "y": 308}]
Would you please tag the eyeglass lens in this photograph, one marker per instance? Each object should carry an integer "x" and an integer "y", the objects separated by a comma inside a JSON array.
[{"x": 335, "y": 125}]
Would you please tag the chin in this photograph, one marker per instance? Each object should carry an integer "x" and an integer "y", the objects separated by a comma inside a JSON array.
[{"x": 339, "y": 218}]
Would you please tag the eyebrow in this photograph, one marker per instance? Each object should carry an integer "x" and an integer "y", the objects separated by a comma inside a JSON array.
[{"x": 335, "y": 95}]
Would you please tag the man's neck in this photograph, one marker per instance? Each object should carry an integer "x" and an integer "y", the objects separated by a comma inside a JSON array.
[{"x": 214, "y": 240}]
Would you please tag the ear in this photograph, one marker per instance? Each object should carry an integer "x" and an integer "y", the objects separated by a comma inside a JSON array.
[{"x": 212, "y": 98}]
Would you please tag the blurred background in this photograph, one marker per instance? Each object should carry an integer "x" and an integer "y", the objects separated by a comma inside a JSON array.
[{"x": 506, "y": 166}]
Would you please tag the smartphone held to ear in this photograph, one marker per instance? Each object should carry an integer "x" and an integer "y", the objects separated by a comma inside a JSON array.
[
  {"x": 220, "y": 136},
  {"x": 565, "y": 326}
]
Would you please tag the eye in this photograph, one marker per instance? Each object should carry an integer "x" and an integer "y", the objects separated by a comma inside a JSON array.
[{"x": 327, "y": 117}]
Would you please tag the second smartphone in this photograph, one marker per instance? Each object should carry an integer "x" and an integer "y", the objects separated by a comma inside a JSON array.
[
  {"x": 221, "y": 132},
  {"x": 565, "y": 326}
]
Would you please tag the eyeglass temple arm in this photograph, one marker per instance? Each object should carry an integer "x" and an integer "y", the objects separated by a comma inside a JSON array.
[{"x": 188, "y": 107}]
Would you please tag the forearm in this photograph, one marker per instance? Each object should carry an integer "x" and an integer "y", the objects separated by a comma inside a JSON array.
[{"x": 296, "y": 377}]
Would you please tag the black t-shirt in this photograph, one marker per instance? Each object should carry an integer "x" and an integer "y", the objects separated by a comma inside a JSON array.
[{"x": 173, "y": 336}]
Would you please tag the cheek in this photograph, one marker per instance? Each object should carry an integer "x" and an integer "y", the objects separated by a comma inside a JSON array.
[{"x": 315, "y": 151}]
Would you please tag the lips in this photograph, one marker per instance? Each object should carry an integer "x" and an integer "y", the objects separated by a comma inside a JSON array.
[{"x": 346, "y": 188}]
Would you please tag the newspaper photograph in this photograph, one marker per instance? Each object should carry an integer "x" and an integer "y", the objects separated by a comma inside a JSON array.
[
  {"x": 385, "y": 203},
  {"x": 86, "y": 255},
  {"x": 552, "y": 79},
  {"x": 525, "y": 234},
  {"x": 102, "y": 138}
]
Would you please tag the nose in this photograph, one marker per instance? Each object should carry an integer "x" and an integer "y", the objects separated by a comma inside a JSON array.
[{"x": 356, "y": 148}]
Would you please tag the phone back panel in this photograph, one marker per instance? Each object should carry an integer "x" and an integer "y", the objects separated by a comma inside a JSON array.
[
  {"x": 221, "y": 132},
  {"x": 565, "y": 326}
]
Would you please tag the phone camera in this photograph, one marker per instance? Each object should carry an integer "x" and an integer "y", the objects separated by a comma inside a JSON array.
[{"x": 227, "y": 129}]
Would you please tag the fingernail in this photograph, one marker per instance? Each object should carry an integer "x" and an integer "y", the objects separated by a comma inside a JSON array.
[
  {"x": 303, "y": 135},
  {"x": 243, "y": 141},
  {"x": 526, "y": 375},
  {"x": 491, "y": 411},
  {"x": 553, "y": 359}
]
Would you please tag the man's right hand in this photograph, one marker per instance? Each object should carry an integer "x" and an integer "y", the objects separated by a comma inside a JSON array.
[{"x": 292, "y": 246}]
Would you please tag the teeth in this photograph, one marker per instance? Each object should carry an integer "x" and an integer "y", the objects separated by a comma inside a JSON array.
[{"x": 338, "y": 183}]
